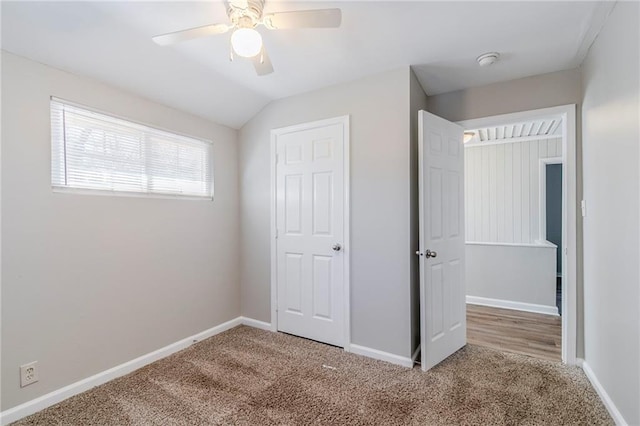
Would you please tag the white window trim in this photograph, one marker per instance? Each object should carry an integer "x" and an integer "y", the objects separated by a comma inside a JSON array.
[{"x": 126, "y": 194}]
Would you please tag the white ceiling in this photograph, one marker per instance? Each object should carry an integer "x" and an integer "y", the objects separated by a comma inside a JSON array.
[{"x": 111, "y": 41}]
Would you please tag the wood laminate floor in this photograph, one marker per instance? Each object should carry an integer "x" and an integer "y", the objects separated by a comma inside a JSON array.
[{"x": 513, "y": 331}]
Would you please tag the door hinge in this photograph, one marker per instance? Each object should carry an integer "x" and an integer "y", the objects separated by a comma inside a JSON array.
[
  {"x": 276, "y": 234},
  {"x": 277, "y": 158}
]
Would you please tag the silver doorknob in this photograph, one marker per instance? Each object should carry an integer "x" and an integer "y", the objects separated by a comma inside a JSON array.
[
  {"x": 336, "y": 247},
  {"x": 419, "y": 253},
  {"x": 430, "y": 253}
]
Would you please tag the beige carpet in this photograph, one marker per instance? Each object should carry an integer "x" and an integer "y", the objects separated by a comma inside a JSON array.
[{"x": 253, "y": 377}]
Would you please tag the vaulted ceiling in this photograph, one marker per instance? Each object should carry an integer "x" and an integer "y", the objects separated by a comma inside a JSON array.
[{"x": 111, "y": 42}]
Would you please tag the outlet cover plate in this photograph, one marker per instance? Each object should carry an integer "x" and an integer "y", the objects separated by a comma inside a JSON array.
[{"x": 28, "y": 374}]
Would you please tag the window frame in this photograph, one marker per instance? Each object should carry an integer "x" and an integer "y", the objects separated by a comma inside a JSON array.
[{"x": 131, "y": 194}]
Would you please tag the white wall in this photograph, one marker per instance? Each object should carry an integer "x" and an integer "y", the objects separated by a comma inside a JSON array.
[
  {"x": 522, "y": 274},
  {"x": 381, "y": 166},
  {"x": 611, "y": 137},
  {"x": 502, "y": 197},
  {"x": 89, "y": 282}
]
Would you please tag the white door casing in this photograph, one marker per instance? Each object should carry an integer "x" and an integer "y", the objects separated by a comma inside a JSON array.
[
  {"x": 311, "y": 230},
  {"x": 569, "y": 211},
  {"x": 441, "y": 216}
]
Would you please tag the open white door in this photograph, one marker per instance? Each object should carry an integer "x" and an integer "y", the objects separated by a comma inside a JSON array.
[{"x": 442, "y": 243}]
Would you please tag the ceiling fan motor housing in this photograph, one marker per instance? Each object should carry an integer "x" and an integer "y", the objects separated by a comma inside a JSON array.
[{"x": 245, "y": 13}]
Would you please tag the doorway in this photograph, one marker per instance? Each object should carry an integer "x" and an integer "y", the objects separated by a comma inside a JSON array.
[
  {"x": 551, "y": 207},
  {"x": 520, "y": 221},
  {"x": 310, "y": 230},
  {"x": 437, "y": 152}
]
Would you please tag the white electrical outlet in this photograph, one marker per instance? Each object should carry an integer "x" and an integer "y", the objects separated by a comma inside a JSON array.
[{"x": 28, "y": 373}]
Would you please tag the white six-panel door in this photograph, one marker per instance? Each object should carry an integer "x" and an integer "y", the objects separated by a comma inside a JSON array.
[
  {"x": 310, "y": 230},
  {"x": 442, "y": 238}
]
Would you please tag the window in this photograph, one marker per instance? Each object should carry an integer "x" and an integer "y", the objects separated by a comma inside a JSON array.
[{"x": 93, "y": 151}]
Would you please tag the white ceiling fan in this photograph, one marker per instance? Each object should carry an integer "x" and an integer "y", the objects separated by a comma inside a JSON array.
[{"x": 245, "y": 16}]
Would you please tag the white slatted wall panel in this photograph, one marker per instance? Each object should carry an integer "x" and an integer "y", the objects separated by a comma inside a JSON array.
[{"x": 501, "y": 190}]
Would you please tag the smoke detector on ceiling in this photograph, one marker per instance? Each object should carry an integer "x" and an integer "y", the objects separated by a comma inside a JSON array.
[{"x": 488, "y": 59}]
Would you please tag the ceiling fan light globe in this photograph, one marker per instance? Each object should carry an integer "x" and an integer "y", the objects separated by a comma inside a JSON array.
[{"x": 246, "y": 42}]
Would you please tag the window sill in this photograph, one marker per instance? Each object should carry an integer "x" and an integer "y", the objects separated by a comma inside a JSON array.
[{"x": 102, "y": 192}]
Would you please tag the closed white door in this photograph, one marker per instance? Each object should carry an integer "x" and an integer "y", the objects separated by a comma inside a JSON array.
[
  {"x": 442, "y": 244},
  {"x": 310, "y": 230}
]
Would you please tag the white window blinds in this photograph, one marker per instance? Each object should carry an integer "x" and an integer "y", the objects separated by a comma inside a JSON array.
[{"x": 94, "y": 151}]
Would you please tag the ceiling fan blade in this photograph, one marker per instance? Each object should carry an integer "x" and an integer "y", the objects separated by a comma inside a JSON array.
[
  {"x": 184, "y": 35},
  {"x": 262, "y": 63},
  {"x": 320, "y": 18}
]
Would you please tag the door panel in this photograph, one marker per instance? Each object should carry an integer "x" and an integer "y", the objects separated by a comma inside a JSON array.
[
  {"x": 453, "y": 188},
  {"x": 322, "y": 203},
  {"x": 293, "y": 202},
  {"x": 435, "y": 204},
  {"x": 322, "y": 287},
  {"x": 293, "y": 282},
  {"x": 309, "y": 222},
  {"x": 455, "y": 307},
  {"x": 441, "y": 203},
  {"x": 436, "y": 296}
]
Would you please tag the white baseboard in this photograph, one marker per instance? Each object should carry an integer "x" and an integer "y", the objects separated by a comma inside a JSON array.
[
  {"x": 40, "y": 403},
  {"x": 604, "y": 396},
  {"x": 382, "y": 356},
  {"x": 47, "y": 400},
  {"x": 356, "y": 349},
  {"x": 255, "y": 323},
  {"x": 415, "y": 354},
  {"x": 508, "y": 304}
]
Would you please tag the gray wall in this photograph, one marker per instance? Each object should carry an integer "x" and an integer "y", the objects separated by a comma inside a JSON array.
[
  {"x": 513, "y": 273},
  {"x": 524, "y": 94},
  {"x": 380, "y": 203},
  {"x": 417, "y": 101},
  {"x": 540, "y": 91},
  {"x": 611, "y": 136},
  {"x": 553, "y": 204},
  {"x": 89, "y": 282}
]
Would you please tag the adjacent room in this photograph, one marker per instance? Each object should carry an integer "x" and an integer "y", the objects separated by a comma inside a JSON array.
[
  {"x": 513, "y": 225},
  {"x": 339, "y": 212}
]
